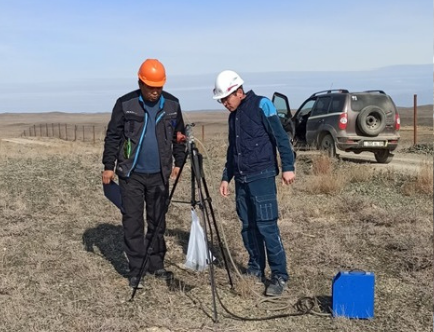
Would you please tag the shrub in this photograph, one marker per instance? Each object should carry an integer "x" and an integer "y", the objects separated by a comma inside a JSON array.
[{"x": 322, "y": 164}]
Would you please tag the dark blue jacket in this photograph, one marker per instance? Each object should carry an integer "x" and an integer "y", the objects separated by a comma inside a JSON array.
[{"x": 255, "y": 131}]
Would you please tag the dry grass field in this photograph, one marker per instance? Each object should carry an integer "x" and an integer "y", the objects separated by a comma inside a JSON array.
[{"x": 62, "y": 266}]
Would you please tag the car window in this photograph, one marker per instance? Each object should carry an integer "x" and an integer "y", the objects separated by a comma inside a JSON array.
[
  {"x": 321, "y": 106},
  {"x": 281, "y": 106},
  {"x": 360, "y": 101},
  {"x": 305, "y": 108},
  {"x": 338, "y": 102}
]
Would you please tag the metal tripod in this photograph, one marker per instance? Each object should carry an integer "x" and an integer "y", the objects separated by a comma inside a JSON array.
[{"x": 204, "y": 202}]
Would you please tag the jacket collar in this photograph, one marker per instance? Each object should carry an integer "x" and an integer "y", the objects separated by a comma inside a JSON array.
[{"x": 161, "y": 100}]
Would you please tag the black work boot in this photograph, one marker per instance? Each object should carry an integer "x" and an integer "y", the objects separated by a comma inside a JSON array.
[
  {"x": 135, "y": 282},
  {"x": 276, "y": 287},
  {"x": 162, "y": 274}
]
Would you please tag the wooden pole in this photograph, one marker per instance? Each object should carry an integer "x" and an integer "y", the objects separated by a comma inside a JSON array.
[
  {"x": 83, "y": 133},
  {"x": 203, "y": 133},
  {"x": 415, "y": 119},
  {"x": 60, "y": 136},
  {"x": 66, "y": 132},
  {"x": 75, "y": 133},
  {"x": 93, "y": 129}
]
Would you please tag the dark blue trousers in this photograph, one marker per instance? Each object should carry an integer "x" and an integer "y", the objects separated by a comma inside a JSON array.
[{"x": 257, "y": 209}]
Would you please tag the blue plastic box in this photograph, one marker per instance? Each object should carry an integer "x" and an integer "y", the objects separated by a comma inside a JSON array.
[{"x": 353, "y": 294}]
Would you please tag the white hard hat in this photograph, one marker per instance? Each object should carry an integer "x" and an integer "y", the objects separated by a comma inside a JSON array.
[{"x": 226, "y": 82}]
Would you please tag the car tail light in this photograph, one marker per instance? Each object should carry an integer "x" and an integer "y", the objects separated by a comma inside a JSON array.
[
  {"x": 343, "y": 120},
  {"x": 397, "y": 122}
]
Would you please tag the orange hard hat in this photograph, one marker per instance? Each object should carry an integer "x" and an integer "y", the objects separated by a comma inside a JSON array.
[{"x": 152, "y": 73}]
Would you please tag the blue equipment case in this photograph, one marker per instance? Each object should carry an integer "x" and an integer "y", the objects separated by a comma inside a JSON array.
[{"x": 353, "y": 294}]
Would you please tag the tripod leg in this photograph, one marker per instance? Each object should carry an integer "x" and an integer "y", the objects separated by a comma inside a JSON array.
[
  {"x": 177, "y": 179},
  {"x": 208, "y": 199},
  {"x": 197, "y": 178},
  {"x": 222, "y": 249},
  {"x": 193, "y": 188}
]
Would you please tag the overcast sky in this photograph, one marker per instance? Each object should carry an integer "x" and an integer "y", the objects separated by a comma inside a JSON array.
[{"x": 78, "y": 42}]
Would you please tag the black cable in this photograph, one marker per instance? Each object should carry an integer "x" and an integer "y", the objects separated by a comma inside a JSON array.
[{"x": 304, "y": 306}]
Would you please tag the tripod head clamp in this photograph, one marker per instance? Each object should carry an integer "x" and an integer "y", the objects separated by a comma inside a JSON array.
[
  {"x": 188, "y": 137},
  {"x": 189, "y": 132}
]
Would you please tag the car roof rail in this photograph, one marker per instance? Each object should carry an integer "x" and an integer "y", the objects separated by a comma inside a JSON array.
[
  {"x": 330, "y": 91},
  {"x": 378, "y": 91}
]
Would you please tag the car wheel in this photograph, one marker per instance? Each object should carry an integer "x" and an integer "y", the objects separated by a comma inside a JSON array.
[
  {"x": 371, "y": 120},
  {"x": 328, "y": 144},
  {"x": 383, "y": 156}
]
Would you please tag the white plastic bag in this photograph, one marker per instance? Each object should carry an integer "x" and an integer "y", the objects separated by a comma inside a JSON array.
[{"x": 197, "y": 258}]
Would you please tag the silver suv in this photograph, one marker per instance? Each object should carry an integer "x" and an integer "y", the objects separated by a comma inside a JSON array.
[{"x": 339, "y": 119}]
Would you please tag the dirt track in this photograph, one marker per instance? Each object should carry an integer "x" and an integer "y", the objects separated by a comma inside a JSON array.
[{"x": 401, "y": 161}]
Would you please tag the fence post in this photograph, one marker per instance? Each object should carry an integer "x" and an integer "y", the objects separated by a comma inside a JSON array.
[
  {"x": 75, "y": 133},
  {"x": 415, "y": 119},
  {"x": 34, "y": 129},
  {"x": 60, "y": 136},
  {"x": 83, "y": 133},
  {"x": 203, "y": 133},
  {"x": 66, "y": 132},
  {"x": 93, "y": 129}
]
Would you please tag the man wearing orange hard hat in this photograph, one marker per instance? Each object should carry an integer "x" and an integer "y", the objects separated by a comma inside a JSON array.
[{"x": 141, "y": 147}]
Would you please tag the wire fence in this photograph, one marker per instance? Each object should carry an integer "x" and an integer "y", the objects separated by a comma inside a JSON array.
[
  {"x": 67, "y": 132},
  {"x": 74, "y": 132}
]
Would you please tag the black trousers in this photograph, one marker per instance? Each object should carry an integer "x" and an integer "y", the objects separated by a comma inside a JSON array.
[{"x": 137, "y": 190}]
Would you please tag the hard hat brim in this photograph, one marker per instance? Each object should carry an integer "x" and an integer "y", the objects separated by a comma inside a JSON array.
[
  {"x": 232, "y": 90},
  {"x": 153, "y": 84}
]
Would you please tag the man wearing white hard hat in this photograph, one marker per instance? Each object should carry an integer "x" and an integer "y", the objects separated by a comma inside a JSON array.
[{"x": 255, "y": 136}]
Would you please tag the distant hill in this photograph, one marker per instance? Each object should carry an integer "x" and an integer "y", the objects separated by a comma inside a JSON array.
[
  {"x": 424, "y": 115},
  {"x": 400, "y": 82},
  {"x": 195, "y": 91}
]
